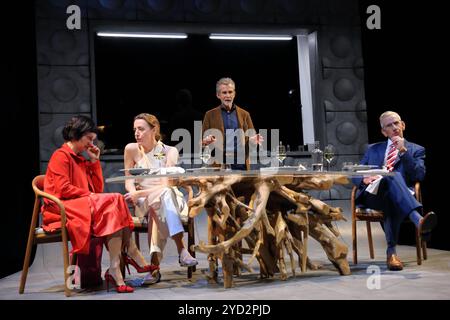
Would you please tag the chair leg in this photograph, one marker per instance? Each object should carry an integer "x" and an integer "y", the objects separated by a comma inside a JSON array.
[
  {"x": 424, "y": 250},
  {"x": 354, "y": 242},
  {"x": 418, "y": 249},
  {"x": 26, "y": 263},
  {"x": 369, "y": 237},
  {"x": 65, "y": 251},
  {"x": 30, "y": 242}
]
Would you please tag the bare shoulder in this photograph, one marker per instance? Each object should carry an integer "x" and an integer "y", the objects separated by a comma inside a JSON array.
[{"x": 131, "y": 149}]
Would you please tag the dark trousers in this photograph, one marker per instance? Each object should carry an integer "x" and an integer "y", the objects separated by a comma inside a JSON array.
[{"x": 395, "y": 200}]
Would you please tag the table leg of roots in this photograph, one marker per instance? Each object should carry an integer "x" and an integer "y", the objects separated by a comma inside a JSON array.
[{"x": 269, "y": 218}]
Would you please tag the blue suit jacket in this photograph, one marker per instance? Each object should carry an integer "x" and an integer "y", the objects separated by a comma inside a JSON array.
[{"x": 411, "y": 165}]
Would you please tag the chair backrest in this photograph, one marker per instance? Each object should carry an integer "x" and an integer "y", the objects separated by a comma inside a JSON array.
[
  {"x": 38, "y": 182},
  {"x": 38, "y": 188}
]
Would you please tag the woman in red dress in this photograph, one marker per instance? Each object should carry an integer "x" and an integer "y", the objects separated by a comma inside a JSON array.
[{"x": 78, "y": 182}]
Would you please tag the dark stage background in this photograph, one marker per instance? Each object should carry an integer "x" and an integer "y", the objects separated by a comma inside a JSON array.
[
  {"x": 404, "y": 62},
  {"x": 144, "y": 75},
  {"x": 405, "y": 67}
]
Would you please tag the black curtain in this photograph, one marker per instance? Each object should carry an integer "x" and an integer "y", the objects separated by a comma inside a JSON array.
[
  {"x": 404, "y": 63},
  {"x": 20, "y": 132}
]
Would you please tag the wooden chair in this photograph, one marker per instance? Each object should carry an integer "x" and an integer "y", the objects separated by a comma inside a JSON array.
[
  {"x": 141, "y": 226},
  {"x": 370, "y": 215},
  {"x": 37, "y": 235}
]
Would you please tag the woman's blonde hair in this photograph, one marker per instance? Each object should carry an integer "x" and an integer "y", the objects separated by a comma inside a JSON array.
[{"x": 152, "y": 121}]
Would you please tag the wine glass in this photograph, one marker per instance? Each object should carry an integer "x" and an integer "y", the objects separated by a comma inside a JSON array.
[
  {"x": 205, "y": 156},
  {"x": 281, "y": 153},
  {"x": 328, "y": 154}
]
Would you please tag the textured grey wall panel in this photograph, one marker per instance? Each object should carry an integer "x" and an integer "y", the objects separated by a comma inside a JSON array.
[
  {"x": 64, "y": 89},
  {"x": 50, "y": 133},
  {"x": 112, "y": 9},
  {"x": 294, "y": 11},
  {"x": 43, "y": 166},
  {"x": 347, "y": 133},
  {"x": 341, "y": 90},
  {"x": 253, "y": 11},
  {"x": 56, "y": 45},
  {"x": 57, "y": 8},
  {"x": 215, "y": 11},
  {"x": 160, "y": 10},
  {"x": 340, "y": 47}
]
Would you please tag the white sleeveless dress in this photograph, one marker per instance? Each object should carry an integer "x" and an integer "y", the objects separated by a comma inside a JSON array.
[{"x": 160, "y": 204}]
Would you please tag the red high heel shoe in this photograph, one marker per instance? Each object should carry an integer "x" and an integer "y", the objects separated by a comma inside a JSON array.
[
  {"x": 120, "y": 289},
  {"x": 128, "y": 260}
]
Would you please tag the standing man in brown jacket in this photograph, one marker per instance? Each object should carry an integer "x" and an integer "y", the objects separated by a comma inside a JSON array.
[{"x": 229, "y": 128}]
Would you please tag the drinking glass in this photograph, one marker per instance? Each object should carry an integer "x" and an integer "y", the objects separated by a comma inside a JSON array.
[
  {"x": 328, "y": 154},
  {"x": 205, "y": 155},
  {"x": 281, "y": 153}
]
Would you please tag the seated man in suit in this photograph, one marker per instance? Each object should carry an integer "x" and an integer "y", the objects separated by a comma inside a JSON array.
[{"x": 394, "y": 194}]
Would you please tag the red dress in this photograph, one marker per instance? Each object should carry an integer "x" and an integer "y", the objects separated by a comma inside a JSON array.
[{"x": 79, "y": 183}]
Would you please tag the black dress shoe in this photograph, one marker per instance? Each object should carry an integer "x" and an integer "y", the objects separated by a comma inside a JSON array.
[{"x": 427, "y": 223}]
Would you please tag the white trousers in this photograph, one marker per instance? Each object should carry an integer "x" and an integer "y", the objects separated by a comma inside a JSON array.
[{"x": 164, "y": 222}]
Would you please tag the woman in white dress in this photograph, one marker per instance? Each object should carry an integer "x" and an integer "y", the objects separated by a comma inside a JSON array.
[{"x": 155, "y": 196}]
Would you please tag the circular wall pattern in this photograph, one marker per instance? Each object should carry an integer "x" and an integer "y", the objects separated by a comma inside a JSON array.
[
  {"x": 57, "y": 137},
  {"x": 341, "y": 46},
  {"x": 344, "y": 89},
  {"x": 64, "y": 89},
  {"x": 346, "y": 133},
  {"x": 45, "y": 118}
]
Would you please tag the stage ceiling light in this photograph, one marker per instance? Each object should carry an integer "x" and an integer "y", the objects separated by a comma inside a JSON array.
[
  {"x": 143, "y": 35},
  {"x": 225, "y": 36}
]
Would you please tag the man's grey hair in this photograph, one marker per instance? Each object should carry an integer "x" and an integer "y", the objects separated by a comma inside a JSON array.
[
  {"x": 226, "y": 82},
  {"x": 388, "y": 114}
]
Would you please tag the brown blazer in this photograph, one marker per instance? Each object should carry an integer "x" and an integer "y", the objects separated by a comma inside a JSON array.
[{"x": 213, "y": 120}]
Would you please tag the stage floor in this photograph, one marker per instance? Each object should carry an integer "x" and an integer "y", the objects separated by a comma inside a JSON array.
[{"x": 430, "y": 281}]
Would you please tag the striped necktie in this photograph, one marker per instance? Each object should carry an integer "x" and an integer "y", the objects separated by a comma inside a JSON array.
[{"x": 391, "y": 157}]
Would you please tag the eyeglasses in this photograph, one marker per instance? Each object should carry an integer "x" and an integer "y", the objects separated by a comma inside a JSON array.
[
  {"x": 392, "y": 124},
  {"x": 225, "y": 92}
]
